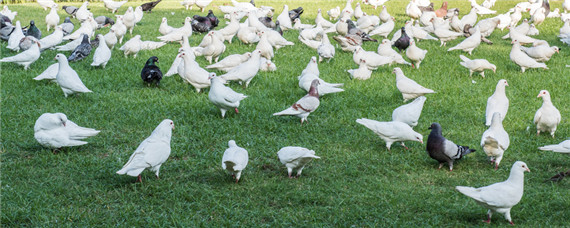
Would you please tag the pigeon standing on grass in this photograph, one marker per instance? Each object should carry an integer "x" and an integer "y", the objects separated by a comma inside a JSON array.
[
  {"x": 15, "y": 38},
  {"x": 547, "y": 117},
  {"x": 391, "y": 132},
  {"x": 294, "y": 157},
  {"x": 522, "y": 59},
  {"x": 151, "y": 153},
  {"x": 495, "y": 140},
  {"x": 498, "y": 102},
  {"x": 563, "y": 147},
  {"x": 33, "y": 31},
  {"x": 477, "y": 65},
  {"x": 403, "y": 42},
  {"x": 235, "y": 159},
  {"x": 245, "y": 71},
  {"x": 102, "y": 53},
  {"x": 150, "y": 72},
  {"x": 25, "y": 58},
  {"x": 408, "y": 87},
  {"x": 409, "y": 113},
  {"x": 68, "y": 79},
  {"x": 500, "y": 197},
  {"x": 54, "y": 130},
  {"x": 147, "y": 7},
  {"x": 304, "y": 106},
  {"x": 442, "y": 149},
  {"x": 222, "y": 96},
  {"x": 81, "y": 51}
]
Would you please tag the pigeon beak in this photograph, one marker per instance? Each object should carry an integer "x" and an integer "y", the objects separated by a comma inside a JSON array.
[
  {"x": 527, "y": 169},
  {"x": 539, "y": 95},
  {"x": 422, "y": 141}
]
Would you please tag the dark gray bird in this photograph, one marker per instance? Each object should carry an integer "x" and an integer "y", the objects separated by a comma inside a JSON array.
[
  {"x": 213, "y": 19},
  {"x": 6, "y": 27},
  {"x": 278, "y": 28},
  {"x": 27, "y": 42},
  {"x": 443, "y": 150},
  {"x": 32, "y": 30},
  {"x": 103, "y": 21},
  {"x": 352, "y": 29},
  {"x": 147, "y": 7},
  {"x": 71, "y": 10},
  {"x": 150, "y": 72},
  {"x": 267, "y": 21},
  {"x": 67, "y": 26},
  {"x": 403, "y": 42},
  {"x": 295, "y": 13},
  {"x": 204, "y": 24},
  {"x": 81, "y": 51},
  {"x": 94, "y": 42}
]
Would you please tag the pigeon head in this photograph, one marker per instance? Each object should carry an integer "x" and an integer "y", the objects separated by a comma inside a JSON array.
[
  {"x": 152, "y": 60},
  {"x": 385, "y": 41},
  {"x": 60, "y": 57},
  {"x": 544, "y": 94},
  {"x": 211, "y": 76},
  {"x": 232, "y": 143},
  {"x": 520, "y": 166},
  {"x": 314, "y": 59},
  {"x": 313, "y": 91},
  {"x": 397, "y": 71},
  {"x": 417, "y": 137},
  {"x": 556, "y": 49},
  {"x": 164, "y": 129},
  {"x": 501, "y": 84},
  {"x": 164, "y": 20},
  {"x": 435, "y": 127},
  {"x": 32, "y": 23}
]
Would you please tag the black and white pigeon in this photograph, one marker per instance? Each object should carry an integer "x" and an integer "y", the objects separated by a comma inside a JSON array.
[
  {"x": 295, "y": 13},
  {"x": 442, "y": 149},
  {"x": 104, "y": 21},
  {"x": 150, "y": 72},
  {"x": 147, "y": 7},
  {"x": 32, "y": 30},
  {"x": 71, "y": 10},
  {"x": 403, "y": 42},
  {"x": 67, "y": 26},
  {"x": 81, "y": 51}
]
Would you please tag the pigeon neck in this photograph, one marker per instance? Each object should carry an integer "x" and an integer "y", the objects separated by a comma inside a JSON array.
[
  {"x": 313, "y": 91},
  {"x": 516, "y": 177},
  {"x": 435, "y": 131},
  {"x": 546, "y": 100}
]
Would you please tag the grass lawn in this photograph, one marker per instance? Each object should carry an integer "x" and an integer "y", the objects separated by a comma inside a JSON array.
[{"x": 358, "y": 182}]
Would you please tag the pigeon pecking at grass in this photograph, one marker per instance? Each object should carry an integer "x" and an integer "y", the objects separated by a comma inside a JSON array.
[{"x": 443, "y": 150}]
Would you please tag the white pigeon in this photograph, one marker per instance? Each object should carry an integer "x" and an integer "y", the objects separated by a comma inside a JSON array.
[
  {"x": 408, "y": 87},
  {"x": 222, "y": 96},
  {"x": 480, "y": 9},
  {"x": 415, "y": 54},
  {"x": 54, "y": 130},
  {"x": 495, "y": 140},
  {"x": 284, "y": 20},
  {"x": 188, "y": 3},
  {"x": 119, "y": 28},
  {"x": 385, "y": 49},
  {"x": 87, "y": 27},
  {"x": 70, "y": 46},
  {"x": 294, "y": 157},
  {"x": 312, "y": 67},
  {"x": 326, "y": 50},
  {"x": 129, "y": 19},
  {"x": 110, "y": 39},
  {"x": 519, "y": 34},
  {"x": 9, "y": 13},
  {"x": 488, "y": 3},
  {"x": 245, "y": 71},
  {"x": 304, "y": 106},
  {"x": 522, "y": 59},
  {"x": 266, "y": 65},
  {"x": 68, "y": 79},
  {"x": 193, "y": 73},
  {"x": 178, "y": 33},
  {"x": 49, "y": 74},
  {"x": 470, "y": 18},
  {"x": 547, "y": 117},
  {"x": 15, "y": 37},
  {"x": 132, "y": 47},
  {"x": 151, "y": 153},
  {"x": 538, "y": 17},
  {"x": 25, "y": 58},
  {"x": 372, "y": 59},
  {"x": 235, "y": 159},
  {"x": 347, "y": 11},
  {"x": 112, "y": 5},
  {"x": 215, "y": 48},
  {"x": 298, "y": 25},
  {"x": 102, "y": 53},
  {"x": 541, "y": 52},
  {"x": 264, "y": 46},
  {"x": 504, "y": 20},
  {"x": 445, "y": 35},
  {"x": 360, "y": 73},
  {"x": 334, "y": 13},
  {"x": 409, "y": 113},
  {"x": 320, "y": 20},
  {"x": 470, "y": 43},
  {"x": 138, "y": 14},
  {"x": 231, "y": 29},
  {"x": 500, "y": 197},
  {"x": 202, "y": 4},
  {"x": 384, "y": 29},
  {"x": 498, "y": 102},
  {"x": 151, "y": 45},
  {"x": 247, "y": 35},
  {"x": 367, "y": 23},
  {"x": 358, "y": 13},
  {"x": 53, "y": 39},
  {"x": 305, "y": 81},
  {"x": 413, "y": 11},
  {"x": 164, "y": 28},
  {"x": 391, "y": 132},
  {"x": 52, "y": 19},
  {"x": 83, "y": 13},
  {"x": 563, "y": 147},
  {"x": 46, "y": 3},
  {"x": 230, "y": 61},
  {"x": 477, "y": 65}
]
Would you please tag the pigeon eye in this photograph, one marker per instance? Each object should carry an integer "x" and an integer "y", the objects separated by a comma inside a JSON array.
[{"x": 543, "y": 92}]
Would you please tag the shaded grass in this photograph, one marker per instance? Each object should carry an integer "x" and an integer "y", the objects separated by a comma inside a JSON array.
[{"x": 356, "y": 183}]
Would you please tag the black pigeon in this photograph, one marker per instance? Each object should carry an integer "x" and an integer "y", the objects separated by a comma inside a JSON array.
[
  {"x": 295, "y": 13},
  {"x": 443, "y": 150},
  {"x": 32, "y": 30},
  {"x": 353, "y": 30},
  {"x": 203, "y": 24},
  {"x": 150, "y": 72},
  {"x": 559, "y": 176},
  {"x": 149, "y": 6},
  {"x": 4, "y": 21},
  {"x": 94, "y": 42},
  {"x": 6, "y": 27},
  {"x": 267, "y": 21},
  {"x": 71, "y": 10},
  {"x": 103, "y": 21},
  {"x": 278, "y": 28},
  {"x": 213, "y": 18},
  {"x": 67, "y": 26},
  {"x": 81, "y": 51},
  {"x": 403, "y": 42},
  {"x": 252, "y": 3}
]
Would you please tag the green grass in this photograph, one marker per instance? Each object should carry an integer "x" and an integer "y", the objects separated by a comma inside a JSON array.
[{"x": 356, "y": 183}]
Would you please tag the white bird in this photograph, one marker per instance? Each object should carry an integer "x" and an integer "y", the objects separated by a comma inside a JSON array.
[
  {"x": 9, "y": 13},
  {"x": 15, "y": 37},
  {"x": 188, "y": 3},
  {"x": 129, "y": 19},
  {"x": 294, "y": 157},
  {"x": 284, "y": 20},
  {"x": 304, "y": 106},
  {"x": 415, "y": 54},
  {"x": 215, "y": 48},
  {"x": 230, "y": 61},
  {"x": 408, "y": 87},
  {"x": 334, "y": 13},
  {"x": 500, "y": 197},
  {"x": 358, "y": 11},
  {"x": 312, "y": 67},
  {"x": 49, "y": 74},
  {"x": 391, "y": 132},
  {"x": 470, "y": 18},
  {"x": 70, "y": 46},
  {"x": 504, "y": 20},
  {"x": 138, "y": 14},
  {"x": 522, "y": 59},
  {"x": 375, "y": 3},
  {"x": 522, "y": 38},
  {"x": 87, "y": 27},
  {"x": 540, "y": 52},
  {"x": 566, "y": 5},
  {"x": 266, "y": 65},
  {"x": 347, "y": 10},
  {"x": 305, "y": 81},
  {"x": 409, "y": 113},
  {"x": 164, "y": 28},
  {"x": 320, "y": 20},
  {"x": 362, "y": 72},
  {"x": 516, "y": 16},
  {"x": 300, "y": 26},
  {"x": 488, "y": 3},
  {"x": 385, "y": 49},
  {"x": 547, "y": 117},
  {"x": 25, "y": 58},
  {"x": 247, "y": 35},
  {"x": 384, "y": 15},
  {"x": 487, "y": 26},
  {"x": 445, "y": 35},
  {"x": 470, "y": 43},
  {"x": 178, "y": 33},
  {"x": 53, "y": 39},
  {"x": 52, "y": 19},
  {"x": 384, "y": 29},
  {"x": 372, "y": 59},
  {"x": 563, "y": 147},
  {"x": 477, "y": 65},
  {"x": 495, "y": 140},
  {"x": 83, "y": 13},
  {"x": 46, "y": 3},
  {"x": 133, "y": 46},
  {"x": 112, "y": 5},
  {"x": 538, "y": 17},
  {"x": 119, "y": 28},
  {"x": 480, "y": 9},
  {"x": 110, "y": 39},
  {"x": 222, "y": 96},
  {"x": 151, "y": 45},
  {"x": 151, "y": 153},
  {"x": 326, "y": 50},
  {"x": 235, "y": 159},
  {"x": 68, "y": 79},
  {"x": 231, "y": 29},
  {"x": 202, "y": 4},
  {"x": 498, "y": 102},
  {"x": 245, "y": 71},
  {"x": 193, "y": 73},
  {"x": 264, "y": 46},
  {"x": 54, "y": 130},
  {"x": 102, "y": 53}
]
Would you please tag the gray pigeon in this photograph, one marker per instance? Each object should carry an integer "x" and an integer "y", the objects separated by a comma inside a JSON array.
[
  {"x": 81, "y": 51},
  {"x": 67, "y": 26},
  {"x": 27, "y": 42},
  {"x": 71, "y": 10},
  {"x": 103, "y": 21},
  {"x": 443, "y": 150}
]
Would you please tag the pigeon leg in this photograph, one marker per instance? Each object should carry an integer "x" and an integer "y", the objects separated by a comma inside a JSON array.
[
  {"x": 537, "y": 132},
  {"x": 236, "y": 110},
  {"x": 139, "y": 179},
  {"x": 483, "y": 74},
  {"x": 402, "y": 143},
  {"x": 440, "y": 165},
  {"x": 489, "y": 214},
  {"x": 496, "y": 166}
]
